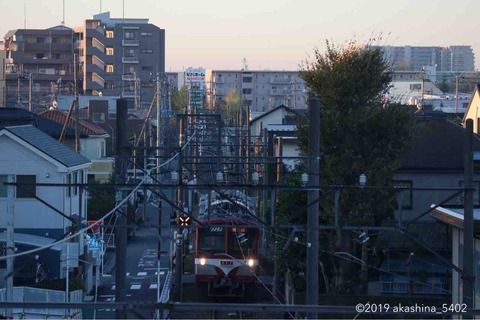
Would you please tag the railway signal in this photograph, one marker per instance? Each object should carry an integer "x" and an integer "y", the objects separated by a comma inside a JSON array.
[{"x": 184, "y": 221}]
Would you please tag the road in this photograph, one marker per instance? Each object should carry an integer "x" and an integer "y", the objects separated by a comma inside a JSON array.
[{"x": 141, "y": 265}]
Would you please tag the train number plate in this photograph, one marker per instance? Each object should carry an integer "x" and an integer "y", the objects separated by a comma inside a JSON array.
[{"x": 226, "y": 263}]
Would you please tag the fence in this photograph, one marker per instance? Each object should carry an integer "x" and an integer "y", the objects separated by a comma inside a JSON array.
[{"x": 27, "y": 294}]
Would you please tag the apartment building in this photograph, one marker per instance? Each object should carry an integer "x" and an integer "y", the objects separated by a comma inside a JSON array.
[
  {"x": 120, "y": 57},
  {"x": 262, "y": 90},
  {"x": 414, "y": 58},
  {"x": 37, "y": 64}
]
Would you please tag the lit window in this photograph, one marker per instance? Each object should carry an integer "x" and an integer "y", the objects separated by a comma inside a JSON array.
[
  {"x": 109, "y": 34},
  {"x": 109, "y": 68},
  {"x": 109, "y": 51}
]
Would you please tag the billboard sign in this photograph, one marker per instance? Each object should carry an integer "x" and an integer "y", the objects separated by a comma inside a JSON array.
[{"x": 195, "y": 82}]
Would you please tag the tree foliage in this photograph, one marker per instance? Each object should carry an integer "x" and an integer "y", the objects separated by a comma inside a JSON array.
[
  {"x": 359, "y": 135},
  {"x": 180, "y": 99}
]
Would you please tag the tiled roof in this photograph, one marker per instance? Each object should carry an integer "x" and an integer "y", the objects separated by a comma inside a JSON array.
[
  {"x": 438, "y": 145},
  {"x": 85, "y": 126},
  {"x": 18, "y": 116},
  {"x": 48, "y": 145}
]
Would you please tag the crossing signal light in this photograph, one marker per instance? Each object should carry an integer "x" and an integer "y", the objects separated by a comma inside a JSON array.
[{"x": 184, "y": 221}]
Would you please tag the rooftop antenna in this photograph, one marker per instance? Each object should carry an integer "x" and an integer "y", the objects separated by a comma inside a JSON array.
[
  {"x": 63, "y": 21},
  {"x": 245, "y": 67}
]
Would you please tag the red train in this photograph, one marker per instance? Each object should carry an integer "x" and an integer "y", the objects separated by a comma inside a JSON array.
[{"x": 226, "y": 244}]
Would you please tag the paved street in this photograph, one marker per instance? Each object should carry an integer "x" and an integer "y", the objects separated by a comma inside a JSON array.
[{"x": 142, "y": 268}]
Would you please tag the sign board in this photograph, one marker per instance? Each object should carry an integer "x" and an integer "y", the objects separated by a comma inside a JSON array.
[
  {"x": 97, "y": 227},
  {"x": 195, "y": 82}
]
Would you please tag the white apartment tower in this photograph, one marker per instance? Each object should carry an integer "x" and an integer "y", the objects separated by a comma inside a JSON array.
[{"x": 261, "y": 90}]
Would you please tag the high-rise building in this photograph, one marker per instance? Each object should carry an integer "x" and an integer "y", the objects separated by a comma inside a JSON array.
[
  {"x": 121, "y": 57},
  {"x": 414, "y": 58},
  {"x": 262, "y": 90},
  {"x": 37, "y": 63}
]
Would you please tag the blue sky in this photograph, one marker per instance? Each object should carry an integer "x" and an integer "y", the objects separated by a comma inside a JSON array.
[{"x": 270, "y": 34}]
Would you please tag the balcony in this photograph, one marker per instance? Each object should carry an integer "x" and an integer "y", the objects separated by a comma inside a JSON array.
[
  {"x": 218, "y": 80},
  {"x": 130, "y": 43},
  {"x": 282, "y": 80},
  {"x": 130, "y": 60},
  {"x": 128, "y": 94},
  {"x": 218, "y": 91},
  {"x": 280, "y": 92},
  {"x": 128, "y": 77}
]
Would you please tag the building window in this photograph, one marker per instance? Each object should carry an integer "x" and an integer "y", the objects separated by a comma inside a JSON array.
[
  {"x": 247, "y": 91},
  {"x": 109, "y": 51},
  {"x": 26, "y": 191},
  {"x": 109, "y": 68},
  {"x": 129, "y": 53},
  {"x": 147, "y": 51},
  {"x": 98, "y": 117},
  {"x": 406, "y": 194},
  {"x": 147, "y": 68},
  {"x": 247, "y": 80},
  {"x": 149, "y": 34},
  {"x": 39, "y": 56},
  {"x": 129, "y": 35},
  {"x": 3, "y": 188},
  {"x": 40, "y": 40},
  {"x": 109, "y": 34}
]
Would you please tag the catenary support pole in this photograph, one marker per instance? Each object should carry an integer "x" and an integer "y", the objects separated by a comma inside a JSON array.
[
  {"x": 468, "y": 247},
  {"x": 10, "y": 241},
  {"x": 121, "y": 227},
  {"x": 313, "y": 210}
]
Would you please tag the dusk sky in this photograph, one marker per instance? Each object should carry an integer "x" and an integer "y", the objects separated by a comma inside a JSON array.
[{"x": 270, "y": 34}]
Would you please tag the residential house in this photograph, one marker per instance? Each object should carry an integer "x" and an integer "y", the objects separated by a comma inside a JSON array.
[
  {"x": 473, "y": 110},
  {"x": 99, "y": 113},
  {"x": 92, "y": 145},
  {"x": 432, "y": 171},
  {"x": 281, "y": 132},
  {"x": 453, "y": 219},
  {"x": 42, "y": 214}
]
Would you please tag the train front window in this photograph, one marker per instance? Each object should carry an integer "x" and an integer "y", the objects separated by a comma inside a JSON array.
[
  {"x": 211, "y": 239},
  {"x": 241, "y": 241}
]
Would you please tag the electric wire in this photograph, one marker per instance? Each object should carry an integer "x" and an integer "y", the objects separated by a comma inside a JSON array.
[{"x": 97, "y": 222}]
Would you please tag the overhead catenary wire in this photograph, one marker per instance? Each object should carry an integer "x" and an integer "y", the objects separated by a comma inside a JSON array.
[{"x": 97, "y": 222}]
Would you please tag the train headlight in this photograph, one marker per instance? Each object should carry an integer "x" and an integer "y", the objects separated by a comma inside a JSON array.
[
  {"x": 250, "y": 262},
  {"x": 202, "y": 261}
]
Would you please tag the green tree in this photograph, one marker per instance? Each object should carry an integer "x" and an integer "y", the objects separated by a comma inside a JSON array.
[
  {"x": 232, "y": 103},
  {"x": 180, "y": 99},
  {"x": 359, "y": 135}
]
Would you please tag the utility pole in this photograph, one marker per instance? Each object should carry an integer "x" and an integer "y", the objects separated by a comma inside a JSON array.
[
  {"x": 456, "y": 93},
  {"x": 10, "y": 242},
  {"x": 30, "y": 83},
  {"x": 121, "y": 225},
  {"x": 468, "y": 242},
  {"x": 19, "y": 90},
  {"x": 313, "y": 210},
  {"x": 75, "y": 99},
  {"x": 159, "y": 96}
]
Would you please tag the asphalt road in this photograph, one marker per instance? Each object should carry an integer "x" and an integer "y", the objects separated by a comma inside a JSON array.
[{"x": 142, "y": 266}]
